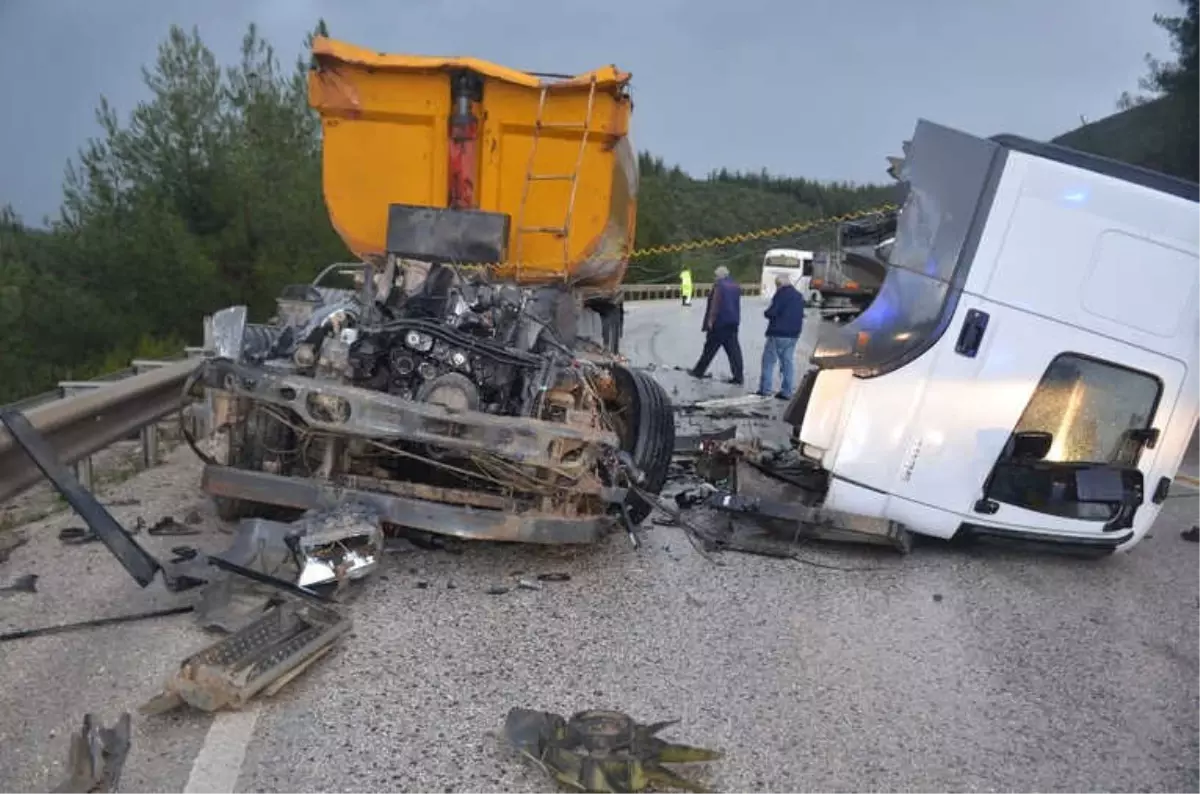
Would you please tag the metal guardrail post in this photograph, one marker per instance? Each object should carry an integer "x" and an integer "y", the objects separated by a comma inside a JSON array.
[
  {"x": 83, "y": 468},
  {"x": 149, "y": 433}
]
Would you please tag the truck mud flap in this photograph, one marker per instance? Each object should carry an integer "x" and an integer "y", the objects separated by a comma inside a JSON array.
[{"x": 262, "y": 657}]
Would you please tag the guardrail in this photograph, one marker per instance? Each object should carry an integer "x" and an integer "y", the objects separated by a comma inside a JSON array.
[
  {"x": 90, "y": 415},
  {"x": 648, "y": 292}
]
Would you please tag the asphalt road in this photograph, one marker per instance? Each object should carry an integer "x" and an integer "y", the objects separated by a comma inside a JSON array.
[{"x": 949, "y": 669}]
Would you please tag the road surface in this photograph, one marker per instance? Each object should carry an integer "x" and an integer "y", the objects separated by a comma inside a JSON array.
[{"x": 949, "y": 669}]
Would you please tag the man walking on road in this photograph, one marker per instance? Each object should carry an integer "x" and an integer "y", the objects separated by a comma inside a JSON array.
[
  {"x": 785, "y": 319},
  {"x": 722, "y": 317},
  {"x": 685, "y": 285}
]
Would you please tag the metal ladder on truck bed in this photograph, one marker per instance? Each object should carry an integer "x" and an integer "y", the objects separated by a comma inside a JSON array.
[{"x": 531, "y": 176}]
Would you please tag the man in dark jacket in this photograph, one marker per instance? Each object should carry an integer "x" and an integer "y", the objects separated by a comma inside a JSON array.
[
  {"x": 722, "y": 317},
  {"x": 785, "y": 319}
]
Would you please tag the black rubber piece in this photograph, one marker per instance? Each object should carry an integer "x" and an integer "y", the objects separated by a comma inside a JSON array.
[{"x": 650, "y": 435}]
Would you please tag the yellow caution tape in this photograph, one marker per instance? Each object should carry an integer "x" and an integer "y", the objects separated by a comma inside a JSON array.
[
  {"x": 745, "y": 237},
  {"x": 797, "y": 227}
]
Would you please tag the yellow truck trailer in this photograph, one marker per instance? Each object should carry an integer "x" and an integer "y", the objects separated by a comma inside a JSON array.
[{"x": 546, "y": 161}]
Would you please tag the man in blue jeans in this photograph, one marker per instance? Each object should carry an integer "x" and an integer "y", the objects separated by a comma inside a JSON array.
[{"x": 785, "y": 319}]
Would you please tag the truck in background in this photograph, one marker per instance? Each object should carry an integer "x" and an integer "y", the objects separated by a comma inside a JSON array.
[{"x": 840, "y": 284}]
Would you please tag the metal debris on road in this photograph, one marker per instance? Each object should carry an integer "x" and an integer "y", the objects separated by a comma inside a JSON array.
[
  {"x": 168, "y": 526},
  {"x": 260, "y": 658},
  {"x": 528, "y": 584},
  {"x": 97, "y": 756},
  {"x": 345, "y": 542},
  {"x": 497, "y": 589},
  {"x": 602, "y": 751},
  {"x": 22, "y": 584},
  {"x": 698, "y": 444},
  {"x": 76, "y": 536},
  {"x": 23, "y": 634}
]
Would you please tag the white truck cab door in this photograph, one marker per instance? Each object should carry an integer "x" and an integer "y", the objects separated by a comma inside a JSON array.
[{"x": 1034, "y": 425}]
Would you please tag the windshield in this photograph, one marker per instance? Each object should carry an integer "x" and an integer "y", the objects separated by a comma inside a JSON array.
[
  {"x": 948, "y": 175},
  {"x": 783, "y": 260}
]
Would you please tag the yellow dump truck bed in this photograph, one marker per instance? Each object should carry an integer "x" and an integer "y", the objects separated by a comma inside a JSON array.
[{"x": 385, "y": 123}]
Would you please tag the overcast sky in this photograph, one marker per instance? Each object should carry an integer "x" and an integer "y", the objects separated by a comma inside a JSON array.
[{"x": 823, "y": 89}]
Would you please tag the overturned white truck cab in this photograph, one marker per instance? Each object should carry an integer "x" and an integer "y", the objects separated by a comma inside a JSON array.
[{"x": 1029, "y": 367}]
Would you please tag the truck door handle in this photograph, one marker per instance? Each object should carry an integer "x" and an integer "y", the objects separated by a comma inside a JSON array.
[{"x": 971, "y": 335}]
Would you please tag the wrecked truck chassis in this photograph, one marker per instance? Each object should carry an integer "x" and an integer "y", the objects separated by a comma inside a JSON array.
[
  {"x": 348, "y": 411},
  {"x": 341, "y": 409},
  {"x": 462, "y": 521}
]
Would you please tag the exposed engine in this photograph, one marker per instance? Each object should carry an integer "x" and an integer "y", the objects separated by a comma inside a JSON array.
[
  {"x": 465, "y": 344},
  {"x": 469, "y": 350}
]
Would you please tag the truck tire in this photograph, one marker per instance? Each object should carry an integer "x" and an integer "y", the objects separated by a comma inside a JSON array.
[{"x": 648, "y": 434}]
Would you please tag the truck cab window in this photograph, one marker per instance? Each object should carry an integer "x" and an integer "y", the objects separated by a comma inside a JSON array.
[{"x": 1093, "y": 415}]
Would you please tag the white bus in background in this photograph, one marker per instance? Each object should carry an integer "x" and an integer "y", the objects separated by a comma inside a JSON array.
[{"x": 795, "y": 264}]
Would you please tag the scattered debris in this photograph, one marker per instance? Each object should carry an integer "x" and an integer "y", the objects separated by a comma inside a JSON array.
[
  {"x": 554, "y": 576},
  {"x": 229, "y": 602},
  {"x": 693, "y": 496},
  {"x": 97, "y": 756},
  {"x": 123, "y": 503},
  {"x": 528, "y": 584},
  {"x": 1192, "y": 535},
  {"x": 780, "y": 503},
  {"x": 183, "y": 553},
  {"x": 602, "y": 751},
  {"x": 22, "y": 584},
  {"x": 10, "y": 542},
  {"x": 937, "y": 598},
  {"x": 167, "y": 525},
  {"x": 137, "y": 561},
  {"x": 746, "y": 406},
  {"x": 76, "y": 536},
  {"x": 88, "y": 624},
  {"x": 193, "y": 517},
  {"x": 700, "y": 443},
  {"x": 344, "y": 542},
  {"x": 497, "y": 589},
  {"x": 329, "y": 546},
  {"x": 422, "y": 585},
  {"x": 264, "y": 656}
]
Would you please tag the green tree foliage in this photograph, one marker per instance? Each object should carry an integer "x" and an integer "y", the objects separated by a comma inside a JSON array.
[
  {"x": 209, "y": 193},
  {"x": 1178, "y": 81},
  {"x": 1156, "y": 129}
]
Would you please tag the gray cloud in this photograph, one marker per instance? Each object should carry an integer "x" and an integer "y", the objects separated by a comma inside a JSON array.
[{"x": 817, "y": 88}]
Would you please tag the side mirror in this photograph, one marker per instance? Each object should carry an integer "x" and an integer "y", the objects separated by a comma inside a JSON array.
[{"x": 1031, "y": 445}]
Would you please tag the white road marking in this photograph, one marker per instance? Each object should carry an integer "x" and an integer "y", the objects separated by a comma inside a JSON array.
[{"x": 219, "y": 762}]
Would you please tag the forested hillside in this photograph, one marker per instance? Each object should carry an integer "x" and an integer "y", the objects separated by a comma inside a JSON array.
[
  {"x": 209, "y": 193},
  {"x": 1157, "y": 128}
]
